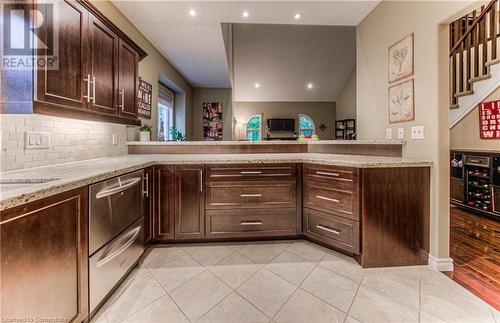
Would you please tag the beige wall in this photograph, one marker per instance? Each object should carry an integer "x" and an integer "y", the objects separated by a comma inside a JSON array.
[
  {"x": 154, "y": 67},
  {"x": 346, "y": 102},
  {"x": 389, "y": 22},
  {"x": 320, "y": 112},
  {"x": 465, "y": 134},
  {"x": 201, "y": 95}
]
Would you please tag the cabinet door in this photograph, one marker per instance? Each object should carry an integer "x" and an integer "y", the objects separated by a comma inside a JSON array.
[
  {"x": 65, "y": 85},
  {"x": 148, "y": 204},
  {"x": 128, "y": 60},
  {"x": 44, "y": 246},
  {"x": 189, "y": 202},
  {"x": 104, "y": 67},
  {"x": 164, "y": 202}
]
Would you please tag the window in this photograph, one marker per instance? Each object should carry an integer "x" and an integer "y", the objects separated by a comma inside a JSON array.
[
  {"x": 306, "y": 125},
  {"x": 254, "y": 128},
  {"x": 165, "y": 112}
]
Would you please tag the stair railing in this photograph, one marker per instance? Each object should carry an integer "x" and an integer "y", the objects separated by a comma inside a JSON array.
[{"x": 473, "y": 45}]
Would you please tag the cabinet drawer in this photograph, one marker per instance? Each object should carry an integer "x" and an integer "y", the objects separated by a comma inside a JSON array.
[
  {"x": 329, "y": 198},
  {"x": 250, "y": 172},
  {"x": 336, "y": 231},
  {"x": 251, "y": 223},
  {"x": 251, "y": 194},
  {"x": 331, "y": 174}
]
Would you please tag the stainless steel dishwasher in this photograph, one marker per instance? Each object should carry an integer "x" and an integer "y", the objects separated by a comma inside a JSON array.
[{"x": 115, "y": 232}]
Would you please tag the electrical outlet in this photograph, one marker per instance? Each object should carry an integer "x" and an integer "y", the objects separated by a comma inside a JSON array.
[
  {"x": 417, "y": 132},
  {"x": 388, "y": 133},
  {"x": 401, "y": 133},
  {"x": 37, "y": 140},
  {"x": 114, "y": 139}
]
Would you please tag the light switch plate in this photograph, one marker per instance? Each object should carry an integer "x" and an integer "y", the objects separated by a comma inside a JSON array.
[
  {"x": 417, "y": 132},
  {"x": 388, "y": 133},
  {"x": 401, "y": 133},
  {"x": 37, "y": 140},
  {"x": 114, "y": 139}
]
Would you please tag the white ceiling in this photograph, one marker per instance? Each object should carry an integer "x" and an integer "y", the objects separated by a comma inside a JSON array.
[
  {"x": 195, "y": 46},
  {"x": 284, "y": 59}
]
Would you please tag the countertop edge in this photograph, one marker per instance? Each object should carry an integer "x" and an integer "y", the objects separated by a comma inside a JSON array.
[{"x": 62, "y": 185}]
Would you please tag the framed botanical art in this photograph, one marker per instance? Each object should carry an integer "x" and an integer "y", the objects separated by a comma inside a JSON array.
[
  {"x": 402, "y": 102},
  {"x": 401, "y": 59}
]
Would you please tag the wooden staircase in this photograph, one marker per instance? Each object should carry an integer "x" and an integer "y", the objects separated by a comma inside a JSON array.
[{"x": 474, "y": 49}]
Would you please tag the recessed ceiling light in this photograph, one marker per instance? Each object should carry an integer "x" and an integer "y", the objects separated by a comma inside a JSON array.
[
  {"x": 310, "y": 85},
  {"x": 192, "y": 12},
  {"x": 297, "y": 16},
  {"x": 245, "y": 14},
  {"x": 256, "y": 85}
]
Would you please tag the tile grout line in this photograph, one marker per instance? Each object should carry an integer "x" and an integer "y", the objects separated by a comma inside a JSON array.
[
  {"x": 250, "y": 302},
  {"x": 294, "y": 291},
  {"x": 354, "y": 298}
]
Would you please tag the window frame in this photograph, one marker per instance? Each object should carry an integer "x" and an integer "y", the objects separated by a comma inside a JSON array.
[
  {"x": 261, "y": 117},
  {"x": 167, "y": 92},
  {"x": 313, "y": 129}
]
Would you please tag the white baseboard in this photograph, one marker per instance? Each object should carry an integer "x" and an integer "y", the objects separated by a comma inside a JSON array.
[{"x": 441, "y": 264}]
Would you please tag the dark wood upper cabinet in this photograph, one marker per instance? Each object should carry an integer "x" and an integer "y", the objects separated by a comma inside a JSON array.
[
  {"x": 64, "y": 85},
  {"x": 96, "y": 75},
  {"x": 102, "y": 78},
  {"x": 189, "y": 202},
  {"x": 128, "y": 60},
  {"x": 44, "y": 247},
  {"x": 164, "y": 202}
]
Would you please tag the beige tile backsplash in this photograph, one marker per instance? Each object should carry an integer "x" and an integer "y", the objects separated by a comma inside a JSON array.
[{"x": 70, "y": 140}]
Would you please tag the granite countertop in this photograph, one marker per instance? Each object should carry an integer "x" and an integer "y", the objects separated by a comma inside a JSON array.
[
  {"x": 268, "y": 142},
  {"x": 27, "y": 185}
]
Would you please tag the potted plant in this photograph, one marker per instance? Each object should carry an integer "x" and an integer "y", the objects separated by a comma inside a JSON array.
[
  {"x": 145, "y": 132},
  {"x": 177, "y": 135}
]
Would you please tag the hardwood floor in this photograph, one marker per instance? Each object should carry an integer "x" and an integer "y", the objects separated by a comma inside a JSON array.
[{"x": 475, "y": 249}]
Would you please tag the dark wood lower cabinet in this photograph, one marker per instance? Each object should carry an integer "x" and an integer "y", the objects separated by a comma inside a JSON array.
[
  {"x": 148, "y": 204},
  {"x": 164, "y": 202},
  {"x": 44, "y": 248},
  {"x": 189, "y": 202},
  {"x": 332, "y": 230}
]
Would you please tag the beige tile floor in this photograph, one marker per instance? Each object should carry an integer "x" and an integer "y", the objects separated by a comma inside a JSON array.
[{"x": 285, "y": 281}]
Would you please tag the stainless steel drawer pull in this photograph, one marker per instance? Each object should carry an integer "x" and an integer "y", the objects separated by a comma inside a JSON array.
[
  {"x": 327, "y": 198},
  {"x": 251, "y": 223},
  {"x": 250, "y": 172},
  {"x": 319, "y": 226},
  {"x": 123, "y": 187},
  {"x": 251, "y": 195},
  {"x": 145, "y": 190},
  {"x": 328, "y": 174},
  {"x": 124, "y": 247}
]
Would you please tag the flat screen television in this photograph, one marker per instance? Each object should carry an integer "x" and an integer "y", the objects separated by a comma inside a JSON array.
[{"x": 281, "y": 124}]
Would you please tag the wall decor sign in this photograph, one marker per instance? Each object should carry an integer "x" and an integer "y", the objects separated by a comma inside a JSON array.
[
  {"x": 401, "y": 59},
  {"x": 402, "y": 102},
  {"x": 489, "y": 120},
  {"x": 144, "y": 98},
  {"x": 212, "y": 121}
]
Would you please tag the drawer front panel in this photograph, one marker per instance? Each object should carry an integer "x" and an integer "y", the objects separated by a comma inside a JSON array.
[
  {"x": 336, "y": 231},
  {"x": 328, "y": 199},
  {"x": 330, "y": 174},
  {"x": 250, "y": 172},
  {"x": 251, "y": 223},
  {"x": 241, "y": 194}
]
